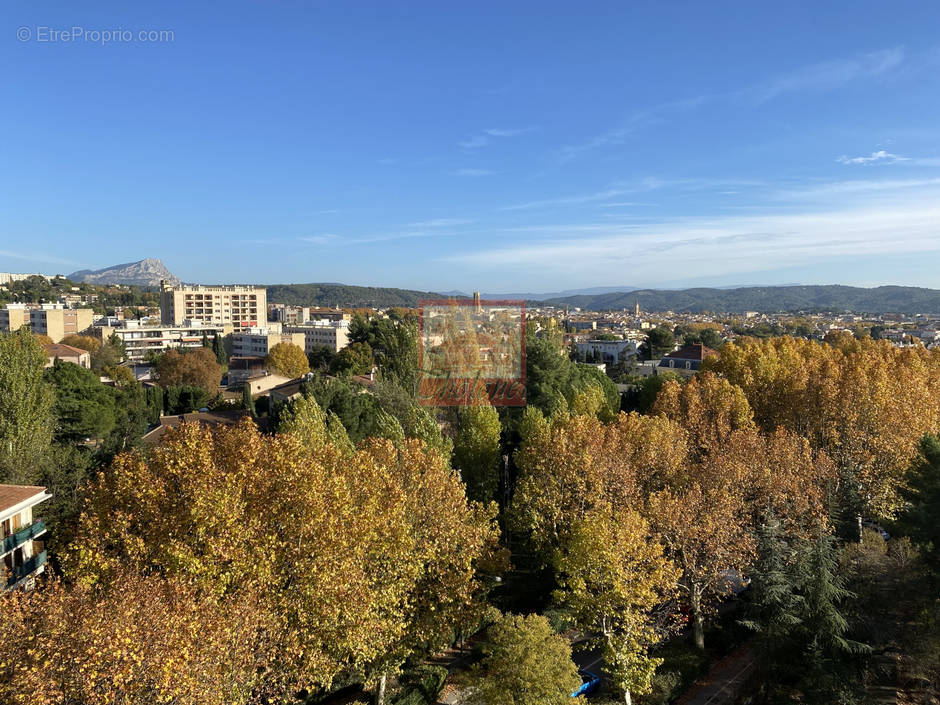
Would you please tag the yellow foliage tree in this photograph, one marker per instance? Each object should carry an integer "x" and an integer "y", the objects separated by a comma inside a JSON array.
[
  {"x": 355, "y": 557},
  {"x": 288, "y": 360}
]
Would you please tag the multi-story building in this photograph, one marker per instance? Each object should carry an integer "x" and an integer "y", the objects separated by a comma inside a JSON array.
[
  {"x": 53, "y": 320},
  {"x": 237, "y": 306},
  {"x": 56, "y": 321},
  {"x": 22, "y": 550},
  {"x": 142, "y": 340},
  {"x": 332, "y": 334},
  {"x": 259, "y": 341},
  {"x": 13, "y": 317}
]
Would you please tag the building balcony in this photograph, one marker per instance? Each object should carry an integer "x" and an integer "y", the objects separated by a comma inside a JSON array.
[
  {"x": 18, "y": 538},
  {"x": 24, "y": 571}
]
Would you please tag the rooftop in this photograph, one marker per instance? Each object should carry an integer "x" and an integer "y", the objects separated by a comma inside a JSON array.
[{"x": 11, "y": 495}]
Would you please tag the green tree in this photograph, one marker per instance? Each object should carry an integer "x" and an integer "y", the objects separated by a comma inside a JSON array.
[
  {"x": 321, "y": 357},
  {"x": 659, "y": 341},
  {"x": 775, "y": 609},
  {"x": 921, "y": 518},
  {"x": 477, "y": 451},
  {"x": 218, "y": 349},
  {"x": 288, "y": 360},
  {"x": 524, "y": 663},
  {"x": 355, "y": 359},
  {"x": 827, "y": 653},
  {"x": 109, "y": 354},
  {"x": 154, "y": 404},
  {"x": 84, "y": 407},
  {"x": 248, "y": 401},
  {"x": 26, "y": 407}
]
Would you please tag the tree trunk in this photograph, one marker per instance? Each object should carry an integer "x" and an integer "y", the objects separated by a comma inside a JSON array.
[
  {"x": 698, "y": 622},
  {"x": 626, "y": 698},
  {"x": 380, "y": 691}
]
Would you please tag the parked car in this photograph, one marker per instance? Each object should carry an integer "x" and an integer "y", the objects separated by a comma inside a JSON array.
[
  {"x": 874, "y": 526},
  {"x": 590, "y": 682}
]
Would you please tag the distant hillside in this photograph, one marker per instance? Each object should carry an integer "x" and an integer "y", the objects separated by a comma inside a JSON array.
[
  {"x": 766, "y": 299},
  {"x": 345, "y": 295},
  {"x": 146, "y": 272}
]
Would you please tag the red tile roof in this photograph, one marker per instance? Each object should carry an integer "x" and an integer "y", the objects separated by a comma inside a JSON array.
[
  {"x": 60, "y": 350},
  {"x": 11, "y": 495}
]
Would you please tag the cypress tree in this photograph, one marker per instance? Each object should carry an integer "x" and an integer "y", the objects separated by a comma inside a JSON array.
[{"x": 248, "y": 401}]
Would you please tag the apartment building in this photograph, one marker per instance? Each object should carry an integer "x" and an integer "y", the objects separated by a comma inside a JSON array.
[
  {"x": 22, "y": 549},
  {"x": 237, "y": 306},
  {"x": 141, "y": 340},
  {"x": 54, "y": 320},
  {"x": 259, "y": 341},
  {"x": 13, "y": 317},
  {"x": 332, "y": 334},
  {"x": 298, "y": 315}
]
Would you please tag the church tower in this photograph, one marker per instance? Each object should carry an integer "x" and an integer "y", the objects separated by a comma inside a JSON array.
[{"x": 636, "y": 309}]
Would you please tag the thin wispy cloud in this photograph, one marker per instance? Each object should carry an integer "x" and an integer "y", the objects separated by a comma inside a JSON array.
[
  {"x": 828, "y": 75},
  {"x": 868, "y": 187},
  {"x": 605, "y": 195},
  {"x": 474, "y": 142},
  {"x": 472, "y": 172},
  {"x": 508, "y": 132},
  {"x": 881, "y": 157},
  {"x": 821, "y": 76},
  {"x": 39, "y": 257},
  {"x": 722, "y": 245},
  {"x": 439, "y": 223}
]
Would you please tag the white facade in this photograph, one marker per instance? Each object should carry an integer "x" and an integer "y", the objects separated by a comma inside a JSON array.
[
  {"x": 332, "y": 334},
  {"x": 140, "y": 340}
]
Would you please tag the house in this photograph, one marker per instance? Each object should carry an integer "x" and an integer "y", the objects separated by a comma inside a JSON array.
[
  {"x": 687, "y": 360},
  {"x": 23, "y": 553},
  {"x": 206, "y": 418},
  {"x": 607, "y": 351},
  {"x": 66, "y": 353}
]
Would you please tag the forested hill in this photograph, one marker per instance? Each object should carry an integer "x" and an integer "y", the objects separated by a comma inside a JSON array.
[
  {"x": 345, "y": 295},
  {"x": 769, "y": 299}
]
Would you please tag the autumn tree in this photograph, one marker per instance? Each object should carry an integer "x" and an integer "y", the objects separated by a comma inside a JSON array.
[
  {"x": 708, "y": 407},
  {"x": 83, "y": 342},
  {"x": 572, "y": 464},
  {"x": 612, "y": 575},
  {"x": 844, "y": 400},
  {"x": 524, "y": 663},
  {"x": 194, "y": 368},
  {"x": 288, "y": 360},
  {"x": 26, "y": 407},
  {"x": 704, "y": 529},
  {"x": 357, "y": 558},
  {"x": 138, "y": 640},
  {"x": 477, "y": 451}
]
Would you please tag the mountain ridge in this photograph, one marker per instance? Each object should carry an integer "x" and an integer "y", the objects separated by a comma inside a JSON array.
[{"x": 146, "y": 272}]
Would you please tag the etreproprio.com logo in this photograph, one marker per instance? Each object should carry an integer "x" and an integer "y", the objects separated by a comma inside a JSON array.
[{"x": 83, "y": 35}]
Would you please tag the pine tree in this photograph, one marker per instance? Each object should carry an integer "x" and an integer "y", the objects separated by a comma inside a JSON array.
[
  {"x": 775, "y": 607},
  {"x": 205, "y": 340},
  {"x": 827, "y": 652}
]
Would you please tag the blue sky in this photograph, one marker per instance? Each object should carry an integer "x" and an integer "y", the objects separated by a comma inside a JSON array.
[{"x": 525, "y": 146}]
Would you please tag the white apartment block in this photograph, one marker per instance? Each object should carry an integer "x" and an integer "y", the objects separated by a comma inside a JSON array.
[
  {"x": 236, "y": 306},
  {"x": 141, "y": 340},
  {"x": 22, "y": 551},
  {"x": 332, "y": 334},
  {"x": 258, "y": 342}
]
